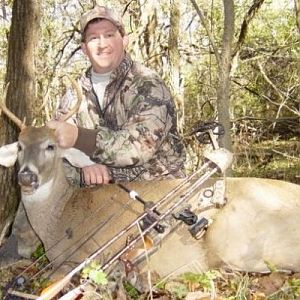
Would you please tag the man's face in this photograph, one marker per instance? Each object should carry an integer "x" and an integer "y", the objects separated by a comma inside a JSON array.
[{"x": 104, "y": 46}]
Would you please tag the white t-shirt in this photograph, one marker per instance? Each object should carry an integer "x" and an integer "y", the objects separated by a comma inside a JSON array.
[{"x": 100, "y": 81}]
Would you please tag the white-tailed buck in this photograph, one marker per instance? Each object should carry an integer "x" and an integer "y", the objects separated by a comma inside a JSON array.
[{"x": 258, "y": 226}]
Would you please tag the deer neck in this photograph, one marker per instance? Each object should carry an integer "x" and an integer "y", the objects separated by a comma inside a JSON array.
[{"x": 49, "y": 200}]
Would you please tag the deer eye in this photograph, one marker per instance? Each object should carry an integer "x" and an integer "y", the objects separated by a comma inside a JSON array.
[
  {"x": 50, "y": 147},
  {"x": 19, "y": 147}
]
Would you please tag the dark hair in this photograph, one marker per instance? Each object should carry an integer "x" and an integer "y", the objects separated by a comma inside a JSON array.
[{"x": 94, "y": 21}]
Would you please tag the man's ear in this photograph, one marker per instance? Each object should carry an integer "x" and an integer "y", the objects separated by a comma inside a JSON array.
[
  {"x": 125, "y": 41},
  {"x": 8, "y": 154},
  {"x": 83, "y": 48},
  {"x": 76, "y": 158}
]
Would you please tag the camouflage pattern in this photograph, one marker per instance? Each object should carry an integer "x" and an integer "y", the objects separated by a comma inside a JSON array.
[
  {"x": 136, "y": 129},
  {"x": 101, "y": 12}
]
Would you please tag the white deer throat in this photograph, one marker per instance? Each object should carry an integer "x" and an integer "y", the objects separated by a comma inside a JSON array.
[
  {"x": 45, "y": 206},
  {"x": 41, "y": 194}
]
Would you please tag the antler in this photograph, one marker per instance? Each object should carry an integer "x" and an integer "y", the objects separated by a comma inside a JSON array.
[
  {"x": 8, "y": 113},
  {"x": 79, "y": 94}
]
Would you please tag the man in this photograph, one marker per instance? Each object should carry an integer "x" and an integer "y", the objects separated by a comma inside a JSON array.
[{"x": 127, "y": 122}]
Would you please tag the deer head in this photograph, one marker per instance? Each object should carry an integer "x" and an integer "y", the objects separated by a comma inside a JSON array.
[{"x": 37, "y": 151}]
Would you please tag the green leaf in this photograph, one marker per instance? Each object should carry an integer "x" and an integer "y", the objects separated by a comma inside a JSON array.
[
  {"x": 204, "y": 279},
  {"x": 98, "y": 276},
  {"x": 271, "y": 266}
]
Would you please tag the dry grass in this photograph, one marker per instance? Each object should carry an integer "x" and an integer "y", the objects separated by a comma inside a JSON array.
[{"x": 270, "y": 159}]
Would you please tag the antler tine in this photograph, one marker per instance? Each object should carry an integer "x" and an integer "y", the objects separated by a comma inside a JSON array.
[
  {"x": 79, "y": 94},
  {"x": 9, "y": 113}
]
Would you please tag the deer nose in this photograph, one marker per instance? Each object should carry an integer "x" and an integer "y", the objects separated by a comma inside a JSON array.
[{"x": 27, "y": 178}]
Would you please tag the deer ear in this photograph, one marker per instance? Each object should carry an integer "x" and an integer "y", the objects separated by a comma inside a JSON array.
[
  {"x": 77, "y": 158},
  {"x": 8, "y": 154}
]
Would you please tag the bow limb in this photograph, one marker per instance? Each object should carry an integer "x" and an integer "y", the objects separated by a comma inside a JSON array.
[{"x": 54, "y": 289}]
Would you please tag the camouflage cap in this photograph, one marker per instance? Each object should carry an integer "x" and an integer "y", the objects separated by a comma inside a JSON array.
[{"x": 101, "y": 12}]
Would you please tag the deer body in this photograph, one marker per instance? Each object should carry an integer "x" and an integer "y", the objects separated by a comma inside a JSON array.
[{"x": 258, "y": 225}]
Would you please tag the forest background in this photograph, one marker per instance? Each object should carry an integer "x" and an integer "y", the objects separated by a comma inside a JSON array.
[{"x": 236, "y": 62}]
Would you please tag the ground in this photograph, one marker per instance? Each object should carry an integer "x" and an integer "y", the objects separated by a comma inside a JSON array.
[{"x": 215, "y": 284}]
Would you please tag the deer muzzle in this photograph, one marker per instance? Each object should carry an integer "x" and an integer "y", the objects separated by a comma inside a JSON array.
[{"x": 28, "y": 181}]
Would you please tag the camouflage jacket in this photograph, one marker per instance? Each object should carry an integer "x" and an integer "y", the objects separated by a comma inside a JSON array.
[{"x": 135, "y": 133}]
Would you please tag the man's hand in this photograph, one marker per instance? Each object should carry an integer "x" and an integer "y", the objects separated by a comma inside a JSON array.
[
  {"x": 66, "y": 133},
  {"x": 96, "y": 174}
]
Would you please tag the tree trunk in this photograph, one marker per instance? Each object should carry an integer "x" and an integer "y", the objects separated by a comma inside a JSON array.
[
  {"x": 223, "y": 89},
  {"x": 174, "y": 59},
  {"x": 20, "y": 75},
  {"x": 297, "y": 11}
]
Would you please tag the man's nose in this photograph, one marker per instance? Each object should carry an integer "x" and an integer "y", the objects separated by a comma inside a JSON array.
[{"x": 101, "y": 42}]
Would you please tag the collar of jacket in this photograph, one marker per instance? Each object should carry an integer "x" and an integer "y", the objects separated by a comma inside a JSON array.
[{"x": 116, "y": 76}]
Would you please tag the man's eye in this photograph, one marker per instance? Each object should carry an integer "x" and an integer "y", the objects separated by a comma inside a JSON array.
[
  {"x": 109, "y": 35},
  {"x": 92, "y": 39}
]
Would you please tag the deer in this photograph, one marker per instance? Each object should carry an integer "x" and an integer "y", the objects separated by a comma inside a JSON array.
[{"x": 256, "y": 227}]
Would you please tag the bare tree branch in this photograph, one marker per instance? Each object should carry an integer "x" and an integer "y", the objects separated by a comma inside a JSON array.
[
  {"x": 245, "y": 25},
  {"x": 257, "y": 94},
  {"x": 278, "y": 92},
  {"x": 243, "y": 32},
  {"x": 210, "y": 36}
]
